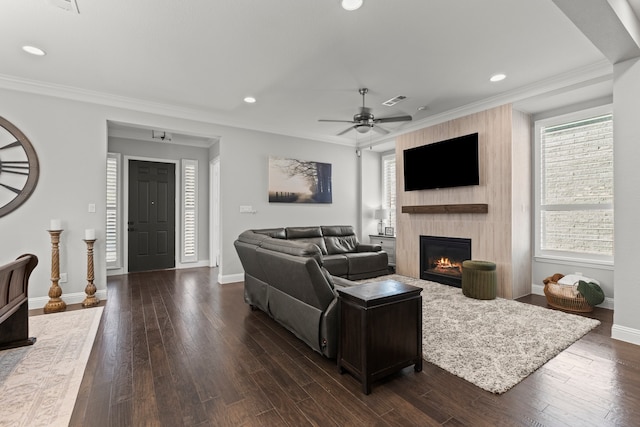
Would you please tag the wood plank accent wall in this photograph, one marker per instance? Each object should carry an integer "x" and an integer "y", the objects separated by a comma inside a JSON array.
[{"x": 503, "y": 234}]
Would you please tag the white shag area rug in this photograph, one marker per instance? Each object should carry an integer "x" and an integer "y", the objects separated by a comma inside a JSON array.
[
  {"x": 39, "y": 383},
  {"x": 493, "y": 344}
]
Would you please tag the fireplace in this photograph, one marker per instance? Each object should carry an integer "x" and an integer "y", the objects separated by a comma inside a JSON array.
[{"x": 441, "y": 259}]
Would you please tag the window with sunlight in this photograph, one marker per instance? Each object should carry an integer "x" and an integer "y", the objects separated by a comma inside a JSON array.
[
  {"x": 389, "y": 188},
  {"x": 574, "y": 189}
]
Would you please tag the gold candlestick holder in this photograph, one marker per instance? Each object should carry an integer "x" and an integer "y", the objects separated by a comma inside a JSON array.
[
  {"x": 55, "y": 304},
  {"x": 91, "y": 300}
]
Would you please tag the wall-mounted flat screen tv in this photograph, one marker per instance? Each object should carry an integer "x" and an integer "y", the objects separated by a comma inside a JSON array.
[{"x": 444, "y": 164}]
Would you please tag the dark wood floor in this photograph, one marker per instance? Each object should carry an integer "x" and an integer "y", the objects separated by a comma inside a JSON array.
[{"x": 176, "y": 348}]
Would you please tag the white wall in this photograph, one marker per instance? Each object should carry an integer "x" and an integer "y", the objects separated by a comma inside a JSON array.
[
  {"x": 244, "y": 161},
  {"x": 626, "y": 151},
  {"x": 70, "y": 142},
  {"x": 168, "y": 151},
  {"x": 371, "y": 184},
  {"x": 70, "y": 138},
  {"x": 543, "y": 268}
]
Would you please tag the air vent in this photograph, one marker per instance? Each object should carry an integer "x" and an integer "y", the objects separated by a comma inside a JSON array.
[
  {"x": 161, "y": 135},
  {"x": 393, "y": 101},
  {"x": 68, "y": 5}
]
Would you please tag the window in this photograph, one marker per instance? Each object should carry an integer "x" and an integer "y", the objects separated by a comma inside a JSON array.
[
  {"x": 574, "y": 186},
  {"x": 389, "y": 188},
  {"x": 189, "y": 210},
  {"x": 112, "y": 234}
]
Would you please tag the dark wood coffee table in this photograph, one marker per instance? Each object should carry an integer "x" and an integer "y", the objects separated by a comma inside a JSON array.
[{"x": 380, "y": 330}]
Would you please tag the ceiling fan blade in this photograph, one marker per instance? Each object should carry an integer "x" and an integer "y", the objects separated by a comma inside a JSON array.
[
  {"x": 344, "y": 131},
  {"x": 380, "y": 129},
  {"x": 393, "y": 119},
  {"x": 336, "y": 121}
]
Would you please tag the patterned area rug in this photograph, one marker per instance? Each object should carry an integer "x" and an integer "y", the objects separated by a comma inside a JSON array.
[
  {"x": 39, "y": 383},
  {"x": 493, "y": 344}
]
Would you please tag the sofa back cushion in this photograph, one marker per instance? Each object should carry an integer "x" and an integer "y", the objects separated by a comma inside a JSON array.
[
  {"x": 278, "y": 233},
  {"x": 296, "y": 248},
  {"x": 339, "y": 239},
  {"x": 297, "y": 276},
  {"x": 307, "y": 234}
]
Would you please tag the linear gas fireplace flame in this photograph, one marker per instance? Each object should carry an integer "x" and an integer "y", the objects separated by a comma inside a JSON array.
[{"x": 441, "y": 259}]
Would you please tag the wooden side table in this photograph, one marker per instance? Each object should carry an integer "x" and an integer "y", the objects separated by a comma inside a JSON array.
[{"x": 380, "y": 330}]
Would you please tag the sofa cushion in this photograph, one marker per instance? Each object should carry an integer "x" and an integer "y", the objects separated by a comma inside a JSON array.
[
  {"x": 339, "y": 239},
  {"x": 302, "y": 232},
  {"x": 307, "y": 234},
  {"x": 341, "y": 244},
  {"x": 302, "y": 249},
  {"x": 318, "y": 241},
  {"x": 336, "y": 264},
  {"x": 337, "y": 230},
  {"x": 362, "y": 262},
  {"x": 278, "y": 233}
]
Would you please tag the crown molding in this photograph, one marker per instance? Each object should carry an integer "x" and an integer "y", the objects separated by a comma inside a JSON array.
[
  {"x": 110, "y": 100},
  {"x": 571, "y": 79},
  {"x": 107, "y": 99},
  {"x": 582, "y": 77}
]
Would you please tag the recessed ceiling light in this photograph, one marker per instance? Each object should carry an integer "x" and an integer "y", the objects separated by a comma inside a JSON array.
[
  {"x": 250, "y": 100},
  {"x": 498, "y": 77},
  {"x": 351, "y": 4},
  {"x": 34, "y": 50}
]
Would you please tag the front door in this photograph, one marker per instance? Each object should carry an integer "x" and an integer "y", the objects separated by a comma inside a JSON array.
[{"x": 151, "y": 224}]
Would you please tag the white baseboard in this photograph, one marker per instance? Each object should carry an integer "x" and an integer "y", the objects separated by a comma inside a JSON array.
[
  {"x": 230, "y": 278},
  {"x": 73, "y": 298},
  {"x": 626, "y": 334},
  {"x": 200, "y": 263},
  {"x": 115, "y": 271},
  {"x": 179, "y": 266},
  {"x": 607, "y": 303},
  {"x": 537, "y": 289}
]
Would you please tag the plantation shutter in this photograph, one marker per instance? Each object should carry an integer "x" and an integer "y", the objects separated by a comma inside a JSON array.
[
  {"x": 112, "y": 235},
  {"x": 389, "y": 188},
  {"x": 189, "y": 208}
]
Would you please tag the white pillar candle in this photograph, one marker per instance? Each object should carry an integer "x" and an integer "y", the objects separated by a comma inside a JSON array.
[
  {"x": 89, "y": 234},
  {"x": 55, "y": 224}
]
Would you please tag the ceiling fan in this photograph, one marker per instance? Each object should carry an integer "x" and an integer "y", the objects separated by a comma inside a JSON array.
[{"x": 364, "y": 121}]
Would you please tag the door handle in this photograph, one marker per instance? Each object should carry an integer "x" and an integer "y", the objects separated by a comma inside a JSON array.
[{"x": 131, "y": 229}]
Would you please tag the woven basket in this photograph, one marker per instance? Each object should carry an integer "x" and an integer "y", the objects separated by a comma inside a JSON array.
[{"x": 566, "y": 298}]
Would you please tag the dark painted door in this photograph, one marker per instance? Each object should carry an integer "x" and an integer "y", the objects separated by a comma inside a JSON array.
[{"x": 151, "y": 215}]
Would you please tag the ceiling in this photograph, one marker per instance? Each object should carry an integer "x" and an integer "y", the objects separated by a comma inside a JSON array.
[{"x": 303, "y": 60}]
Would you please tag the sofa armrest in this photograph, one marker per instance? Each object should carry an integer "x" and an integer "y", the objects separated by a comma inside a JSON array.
[
  {"x": 366, "y": 247},
  {"x": 341, "y": 282}
]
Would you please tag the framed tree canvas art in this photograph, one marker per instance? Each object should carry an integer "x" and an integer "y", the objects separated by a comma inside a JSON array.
[{"x": 299, "y": 181}]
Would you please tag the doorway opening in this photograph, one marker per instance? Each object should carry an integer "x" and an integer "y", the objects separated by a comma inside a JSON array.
[{"x": 151, "y": 216}]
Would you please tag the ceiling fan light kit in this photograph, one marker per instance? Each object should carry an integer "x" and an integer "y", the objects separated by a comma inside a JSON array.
[
  {"x": 351, "y": 4},
  {"x": 365, "y": 120},
  {"x": 363, "y": 128}
]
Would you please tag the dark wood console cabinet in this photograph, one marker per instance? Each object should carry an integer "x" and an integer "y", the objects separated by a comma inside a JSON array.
[{"x": 380, "y": 330}]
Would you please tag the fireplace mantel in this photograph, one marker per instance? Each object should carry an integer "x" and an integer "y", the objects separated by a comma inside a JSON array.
[{"x": 447, "y": 209}]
